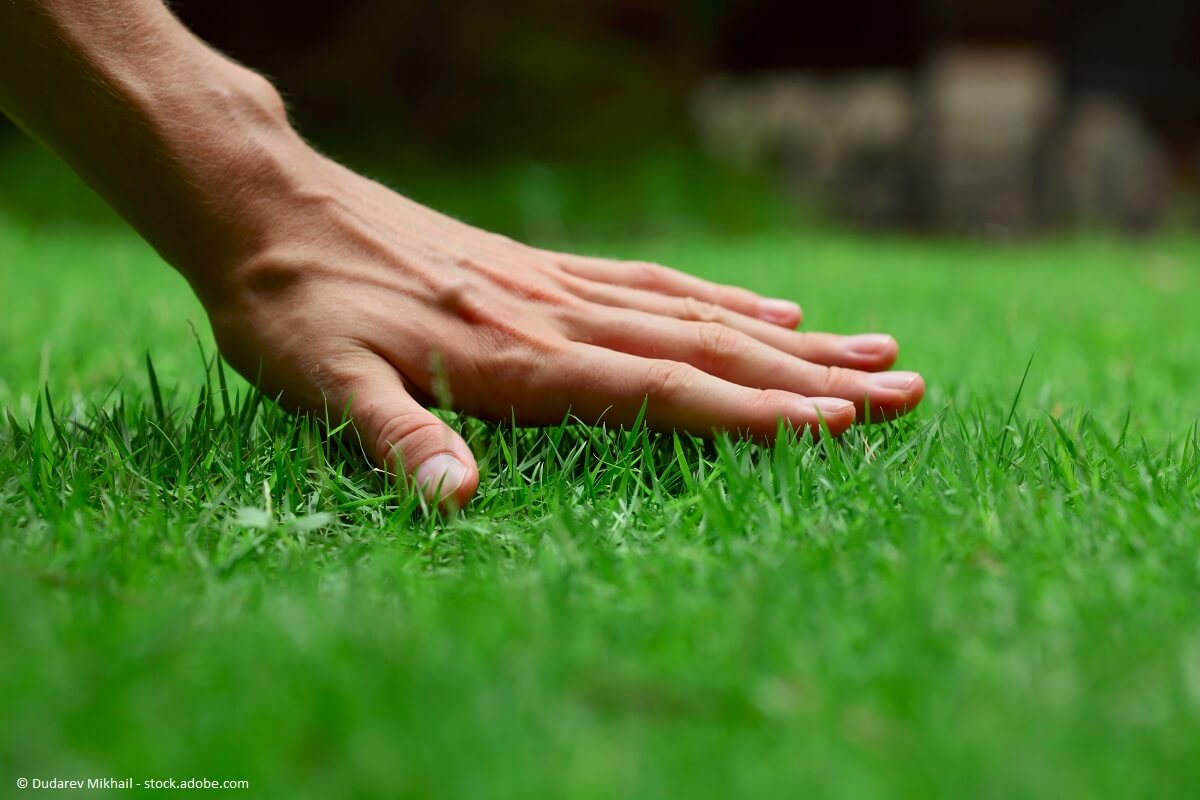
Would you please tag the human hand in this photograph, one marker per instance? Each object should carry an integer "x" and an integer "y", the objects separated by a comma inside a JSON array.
[
  {"x": 333, "y": 293},
  {"x": 362, "y": 300}
]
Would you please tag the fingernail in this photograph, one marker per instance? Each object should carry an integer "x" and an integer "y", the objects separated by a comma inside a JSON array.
[
  {"x": 894, "y": 381},
  {"x": 440, "y": 477},
  {"x": 832, "y": 405},
  {"x": 781, "y": 312},
  {"x": 869, "y": 344}
]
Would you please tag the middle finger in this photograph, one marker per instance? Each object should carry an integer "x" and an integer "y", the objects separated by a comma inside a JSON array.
[
  {"x": 736, "y": 356},
  {"x": 869, "y": 351}
]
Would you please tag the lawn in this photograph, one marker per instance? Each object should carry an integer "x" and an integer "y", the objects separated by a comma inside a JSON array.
[{"x": 998, "y": 596}]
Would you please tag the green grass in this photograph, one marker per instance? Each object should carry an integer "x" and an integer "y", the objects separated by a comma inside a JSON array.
[{"x": 997, "y": 597}]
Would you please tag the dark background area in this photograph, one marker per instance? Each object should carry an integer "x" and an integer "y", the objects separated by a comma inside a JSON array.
[
  {"x": 546, "y": 120},
  {"x": 538, "y": 78}
]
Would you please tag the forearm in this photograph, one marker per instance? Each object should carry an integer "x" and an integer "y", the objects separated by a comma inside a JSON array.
[
  {"x": 333, "y": 293},
  {"x": 184, "y": 143}
]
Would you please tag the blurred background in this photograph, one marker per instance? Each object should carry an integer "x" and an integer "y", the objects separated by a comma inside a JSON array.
[{"x": 550, "y": 120}]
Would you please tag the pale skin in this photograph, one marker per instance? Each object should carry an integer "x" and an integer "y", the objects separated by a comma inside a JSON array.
[{"x": 334, "y": 293}]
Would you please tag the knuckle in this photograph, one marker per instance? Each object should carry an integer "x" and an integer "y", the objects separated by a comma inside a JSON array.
[
  {"x": 831, "y": 379},
  {"x": 460, "y": 297},
  {"x": 501, "y": 240},
  {"x": 698, "y": 310},
  {"x": 668, "y": 379},
  {"x": 649, "y": 274},
  {"x": 718, "y": 343}
]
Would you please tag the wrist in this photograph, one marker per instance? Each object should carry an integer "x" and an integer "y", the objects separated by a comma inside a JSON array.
[
  {"x": 182, "y": 142},
  {"x": 224, "y": 158}
]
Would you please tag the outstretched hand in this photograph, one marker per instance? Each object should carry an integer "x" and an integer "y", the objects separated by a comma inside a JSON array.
[
  {"x": 365, "y": 301},
  {"x": 334, "y": 293}
]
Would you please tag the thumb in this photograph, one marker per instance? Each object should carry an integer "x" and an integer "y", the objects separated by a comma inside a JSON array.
[{"x": 402, "y": 436}]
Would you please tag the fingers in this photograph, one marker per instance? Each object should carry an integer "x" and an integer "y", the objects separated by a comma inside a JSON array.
[
  {"x": 405, "y": 438},
  {"x": 867, "y": 351},
  {"x": 736, "y": 357},
  {"x": 609, "y": 385},
  {"x": 666, "y": 281}
]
